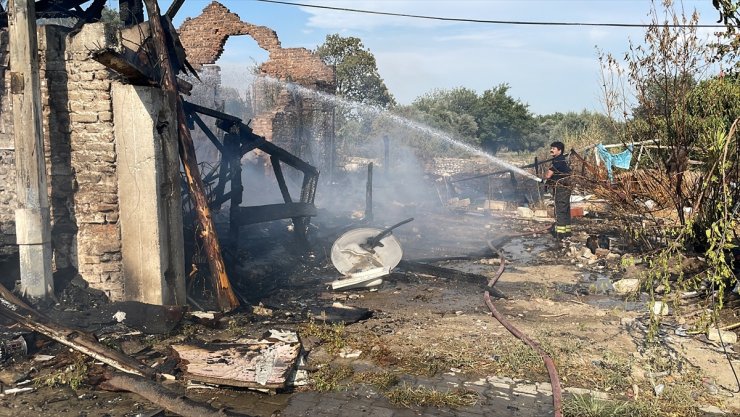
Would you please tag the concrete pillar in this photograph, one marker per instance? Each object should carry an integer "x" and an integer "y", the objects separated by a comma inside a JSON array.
[{"x": 149, "y": 195}]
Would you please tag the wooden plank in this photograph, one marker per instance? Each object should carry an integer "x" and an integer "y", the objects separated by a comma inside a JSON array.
[
  {"x": 32, "y": 216},
  {"x": 269, "y": 212},
  {"x": 225, "y": 296},
  {"x": 246, "y": 363}
]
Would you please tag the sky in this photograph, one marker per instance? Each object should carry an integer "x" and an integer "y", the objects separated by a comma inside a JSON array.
[{"x": 549, "y": 68}]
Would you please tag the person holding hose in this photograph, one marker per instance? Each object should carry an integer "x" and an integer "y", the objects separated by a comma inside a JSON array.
[{"x": 558, "y": 177}]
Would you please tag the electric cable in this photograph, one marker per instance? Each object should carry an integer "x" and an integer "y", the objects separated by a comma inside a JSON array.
[{"x": 496, "y": 22}]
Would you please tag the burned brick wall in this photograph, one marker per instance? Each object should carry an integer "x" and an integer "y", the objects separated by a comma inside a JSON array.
[
  {"x": 80, "y": 156},
  {"x": 296, "y": 121}
]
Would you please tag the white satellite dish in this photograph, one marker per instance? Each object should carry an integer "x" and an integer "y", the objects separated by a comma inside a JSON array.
[{"x": 363, "y": 268}]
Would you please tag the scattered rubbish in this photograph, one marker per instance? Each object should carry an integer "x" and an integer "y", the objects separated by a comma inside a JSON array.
[
  {"x": 261, "y": 310},
  {"x": 349, "y": 353},
  {"x": 339, "y": 314},
  {"x": 120, "y": 316},
  {"x": 13, "y": 348},
  {"x": 13, "y": 391}
]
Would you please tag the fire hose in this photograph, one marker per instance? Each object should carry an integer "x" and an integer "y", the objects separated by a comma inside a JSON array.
[{"x": 557, "y": 395}]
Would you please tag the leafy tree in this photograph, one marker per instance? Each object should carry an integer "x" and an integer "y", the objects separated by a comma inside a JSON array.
[
  {"x": 356, "y": 71},
  {"x": 504, "y": 122},
  {"x": 451, "y": 111}
]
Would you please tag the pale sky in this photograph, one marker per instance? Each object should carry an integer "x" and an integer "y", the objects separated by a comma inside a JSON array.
[{"x": 550, "y": 68}]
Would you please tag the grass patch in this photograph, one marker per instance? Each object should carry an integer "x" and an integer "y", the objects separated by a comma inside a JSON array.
[
  {"x": 588, "y": 406},
  {"x": 329, "y": 378},
  {"x": 334, "y": 336},
  {"x": 425, "y": 397},
  {"x": 383, "y": 381}
]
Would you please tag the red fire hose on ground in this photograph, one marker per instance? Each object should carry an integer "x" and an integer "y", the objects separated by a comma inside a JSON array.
[{"x": 557, "y": 395}]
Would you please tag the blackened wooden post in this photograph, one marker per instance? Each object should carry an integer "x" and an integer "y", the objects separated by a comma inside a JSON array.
[
  {"x": 275, "y": 162},
  {"x": 386, "y": 155},
  {"x": 536, "y": 166},
  {"x": 231, "y": 145},
  {"x": 369, "y": 193},
  {"x": 32, "y": 217},
  {"x": 131, "y": 12},
  {"x": 221, "y": 286}
]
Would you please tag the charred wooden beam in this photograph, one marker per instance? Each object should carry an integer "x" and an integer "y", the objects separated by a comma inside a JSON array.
[
  {"x": 231, "y": 145},
  {"x": 93, "y": 14},
  {"x": 447, "y": 273},
  {"x": 75, "y": 339},
  {"x": 184, "y": 87},
  {"x": 219, "y": 201},
  {"x": 270, "y": 212},
  {"x": 249, "y": 363},
  {"x": 210, "y": 112},
  {"x": 202, "y": 125},
  {"x": 174, "y": 8},
  {"x": 131, "y": 12},
  {"x": 225, "y": 296},
  {"x": 57, "y": 8},
  {"x": 134, "y": 72},
  {"x": 157, "y": 394},
  {"x": 246, "y": 134},
  {"x": 275, "y": 162}
]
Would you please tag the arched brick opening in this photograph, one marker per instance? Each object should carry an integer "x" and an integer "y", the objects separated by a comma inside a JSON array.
[{"x": 300, "y": 123}]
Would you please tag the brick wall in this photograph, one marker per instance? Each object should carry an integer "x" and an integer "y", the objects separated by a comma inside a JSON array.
[
  {"x": 80, "y": 156},
  {"x": 296, "y": 122}
]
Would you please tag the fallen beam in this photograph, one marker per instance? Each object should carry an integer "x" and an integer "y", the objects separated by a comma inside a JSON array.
[
  {"x": 165, "y": 398},
  {"x": 447, "y": 273},
  {"x": 269, "y": 212},
  {"x": 134, "y": 72},
  {"x": 75, "y": 339}
]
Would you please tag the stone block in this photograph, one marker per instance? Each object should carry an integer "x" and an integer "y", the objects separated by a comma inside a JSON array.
[
  {"x": 728, "y": 337},
  {"x": 494, "y": 205},
  {"x": 524, "y": 212},
  {"x": 626, "y": 286}
]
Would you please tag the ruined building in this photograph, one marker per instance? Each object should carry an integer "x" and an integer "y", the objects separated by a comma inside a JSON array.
[
  {"x": 111, "y": 151},
  {"x": 299, "y": 123}
]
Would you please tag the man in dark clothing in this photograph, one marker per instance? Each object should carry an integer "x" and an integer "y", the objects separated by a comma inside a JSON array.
[{"x": 558, "y": 176}]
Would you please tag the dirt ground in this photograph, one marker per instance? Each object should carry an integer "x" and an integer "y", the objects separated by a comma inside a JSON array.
[{"x": 427, "y": 325}]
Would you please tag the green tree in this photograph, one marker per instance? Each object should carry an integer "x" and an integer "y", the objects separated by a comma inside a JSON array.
[
  {"x": 504, "y": 122},
  {"x": 451, "y": 111},
  {"x": 356, "y": 71}
]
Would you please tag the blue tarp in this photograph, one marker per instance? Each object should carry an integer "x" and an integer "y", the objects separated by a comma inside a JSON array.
[{"x": 620, "y": 160}]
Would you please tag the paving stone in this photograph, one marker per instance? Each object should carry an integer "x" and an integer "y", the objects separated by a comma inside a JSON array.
[{"x": 526, "y": 389}]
